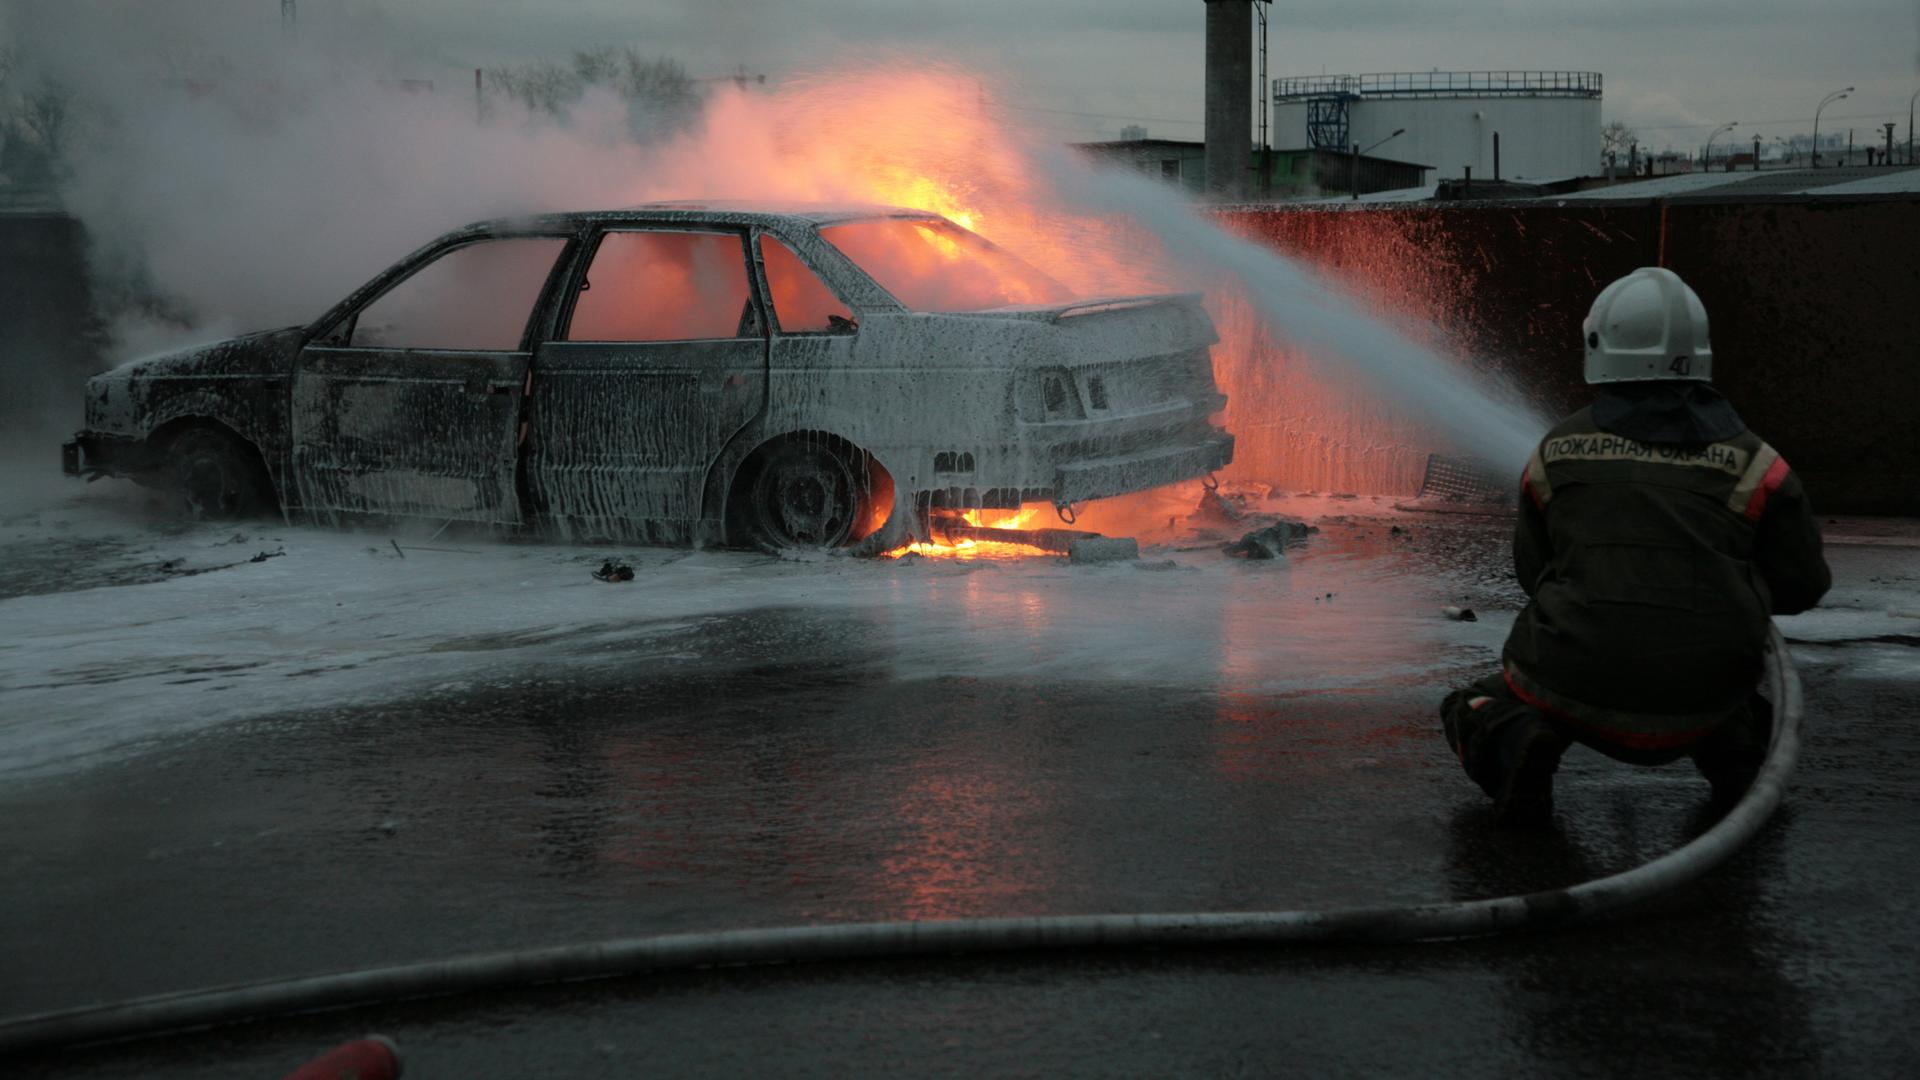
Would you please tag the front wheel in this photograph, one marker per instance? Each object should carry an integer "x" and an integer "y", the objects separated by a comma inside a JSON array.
[
  {"x": 217, "y": 475},
  {"x": 803, "y": 496}
]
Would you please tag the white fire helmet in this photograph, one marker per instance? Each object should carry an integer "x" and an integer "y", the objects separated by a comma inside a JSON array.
[{"x": 1648, "y": 325}]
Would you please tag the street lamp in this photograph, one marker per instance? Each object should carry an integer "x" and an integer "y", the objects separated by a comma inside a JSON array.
[
  {"x": 1383, "y": 142},
  {"x": 1824, "y": 102},
  {"x": 1916, "y": 94},
  {"x": 1353, "y": 170},
  {"x": 1716, "y": 134}
]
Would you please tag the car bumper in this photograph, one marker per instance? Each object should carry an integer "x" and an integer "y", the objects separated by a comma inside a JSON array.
[
  {"x": 93, "y": 454},
  {"x": 1099, "y": 478}
]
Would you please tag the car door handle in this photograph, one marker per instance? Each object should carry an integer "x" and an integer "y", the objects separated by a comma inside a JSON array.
[{"x": 484, "y": 387}]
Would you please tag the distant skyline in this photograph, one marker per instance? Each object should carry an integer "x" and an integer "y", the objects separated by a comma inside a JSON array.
[
  {"x": 1083, "y": 69},
  {"x": 1086, "y": 68}
]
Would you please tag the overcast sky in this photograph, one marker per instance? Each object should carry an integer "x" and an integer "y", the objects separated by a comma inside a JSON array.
[{"x": 1673, "y": 68}]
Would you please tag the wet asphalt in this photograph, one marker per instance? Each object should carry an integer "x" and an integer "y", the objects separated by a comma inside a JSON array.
[{"x": 782, "y": 770}]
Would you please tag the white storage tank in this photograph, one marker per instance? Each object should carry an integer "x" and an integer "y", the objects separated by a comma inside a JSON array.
[{"x": 1548, "y": 121}]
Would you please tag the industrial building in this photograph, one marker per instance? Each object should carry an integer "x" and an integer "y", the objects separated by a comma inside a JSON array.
[
  {"x": 1516, "y": 125},
  {"x": 1269, "y": 174}
]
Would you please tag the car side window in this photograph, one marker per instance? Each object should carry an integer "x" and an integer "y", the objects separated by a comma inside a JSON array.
[
  {"x": 657, "y": 285},
  {"x": 478, "y": 296},
  {"x": 802, "y": 303}
]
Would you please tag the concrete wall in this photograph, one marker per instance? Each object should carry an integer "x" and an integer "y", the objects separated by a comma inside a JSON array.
[
  {"x": 50, "y": 338},
  {"x": 1540, "y": 138},
  {"x": 1816, "y": 336}
]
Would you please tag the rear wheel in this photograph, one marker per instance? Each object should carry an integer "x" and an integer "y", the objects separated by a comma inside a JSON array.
[
  {"x": 804, "y": 495},
  {"x": 217, "y": 475}
]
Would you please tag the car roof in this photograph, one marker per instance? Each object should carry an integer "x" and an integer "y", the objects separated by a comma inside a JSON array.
[{"x": 710, "y": 211}]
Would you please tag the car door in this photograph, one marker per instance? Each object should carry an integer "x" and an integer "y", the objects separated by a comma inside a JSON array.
[
  {"x": 660, "y": 358},
  {"x": 410, "y": 404}
]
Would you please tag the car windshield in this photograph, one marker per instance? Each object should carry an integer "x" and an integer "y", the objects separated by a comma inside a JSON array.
[{"x": 932, "y": 265}]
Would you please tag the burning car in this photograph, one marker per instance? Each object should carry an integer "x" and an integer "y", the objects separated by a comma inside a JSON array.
[{"x": 681, "y": 373}]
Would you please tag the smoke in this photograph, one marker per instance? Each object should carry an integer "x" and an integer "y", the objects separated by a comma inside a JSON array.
[{"x": 234, "y": 176}]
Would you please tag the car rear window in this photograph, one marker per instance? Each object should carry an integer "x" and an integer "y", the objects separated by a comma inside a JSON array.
[
  {"x": 938, "y": 266},
  {"x": 802, "y": 303}
]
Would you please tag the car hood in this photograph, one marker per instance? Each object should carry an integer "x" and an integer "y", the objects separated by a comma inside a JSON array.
[{"x": 268, "y": 352}]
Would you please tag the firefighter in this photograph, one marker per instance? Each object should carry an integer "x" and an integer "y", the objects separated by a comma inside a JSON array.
[{"x": 1656, "y": 537}]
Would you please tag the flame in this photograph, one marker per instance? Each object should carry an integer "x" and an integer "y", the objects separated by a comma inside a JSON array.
[
  {"x": 972, "y": 549},
  {"x": 1022, "y": 518},
  {"x": 900, "y": 185}
]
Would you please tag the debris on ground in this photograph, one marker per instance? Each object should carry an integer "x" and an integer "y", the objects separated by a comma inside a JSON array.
[
  {"x": 1218, "y": 507},
  {"x": 1160, "y": 564},
  {"x": 613, "y": 570},
  {"x": 396, "y": 547},
  {"x": 179, "y": 567},
  {"x": 1103, "y": 549},
  {"x": 1459, "y": 614},
  {"x": 1271, "y": 542}
]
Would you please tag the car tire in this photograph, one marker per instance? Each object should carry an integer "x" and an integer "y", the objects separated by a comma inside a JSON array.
[
  {"x": 803, "y": 495},
  {"x": 218, "y": 476}
]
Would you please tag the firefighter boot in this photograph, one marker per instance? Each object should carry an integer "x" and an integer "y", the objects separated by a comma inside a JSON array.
[
  {"x": 1528, "y": 754},
  {"x": 1731, "y": 756},
  {"x": 1507, "y": 747}
]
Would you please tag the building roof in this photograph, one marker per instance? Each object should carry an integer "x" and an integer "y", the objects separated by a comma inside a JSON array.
[
  {"x": 1335, "y": 151},
  {"x": 1851, "y": 180},
  {"x": 1127, "y": 144}
]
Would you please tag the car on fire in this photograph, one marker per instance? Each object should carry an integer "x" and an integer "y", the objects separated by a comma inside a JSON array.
[{"x": 681, "y": 373}]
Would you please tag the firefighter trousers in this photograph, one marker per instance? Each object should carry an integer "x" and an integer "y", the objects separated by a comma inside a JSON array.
[{"x": 1486, "y": 724}]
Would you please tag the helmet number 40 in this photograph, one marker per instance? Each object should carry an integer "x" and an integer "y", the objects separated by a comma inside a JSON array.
[{"x": 1682, "y": 365}]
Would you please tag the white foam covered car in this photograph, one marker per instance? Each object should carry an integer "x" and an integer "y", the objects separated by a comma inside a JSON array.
[{"x": 681, "y": 373}]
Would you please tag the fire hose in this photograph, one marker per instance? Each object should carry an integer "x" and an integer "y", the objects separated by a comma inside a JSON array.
[{"x": 852, "y": 941}]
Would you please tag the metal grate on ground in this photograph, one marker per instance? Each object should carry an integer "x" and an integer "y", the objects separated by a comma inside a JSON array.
[{"x": 1455, "y": 479}]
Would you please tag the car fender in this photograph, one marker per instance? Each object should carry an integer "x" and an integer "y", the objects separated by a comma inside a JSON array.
[{"x": 240, "y": 384}]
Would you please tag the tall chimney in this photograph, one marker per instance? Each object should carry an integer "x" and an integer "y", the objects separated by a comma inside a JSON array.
[{"x": 1229, "y": 97}]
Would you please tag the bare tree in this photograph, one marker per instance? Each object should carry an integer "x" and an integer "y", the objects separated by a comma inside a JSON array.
[
  {"x": 47, "y": 113},
  {"x": 656, "y": 89},
  {"x": 1616, "y": 138},
  {"x": 36, "y": 125}
]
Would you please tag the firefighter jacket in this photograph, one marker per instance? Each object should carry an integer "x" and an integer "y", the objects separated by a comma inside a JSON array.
[{"x": 1656, "y": 536}]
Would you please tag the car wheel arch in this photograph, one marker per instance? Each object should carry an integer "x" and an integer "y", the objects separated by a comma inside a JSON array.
[
  {"x": 734, "y": 472},
  {"x": 162, "y": 438}
]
